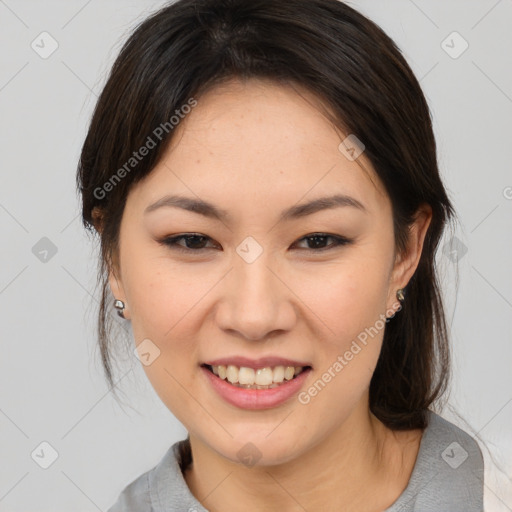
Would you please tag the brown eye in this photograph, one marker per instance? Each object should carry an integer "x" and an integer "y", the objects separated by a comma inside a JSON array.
[
  {"x": 318, "y": 241},
  {"x": 192, "y": 242}
]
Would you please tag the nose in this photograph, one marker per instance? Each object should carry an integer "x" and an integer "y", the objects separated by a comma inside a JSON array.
[{"x": 257, "y": 303}]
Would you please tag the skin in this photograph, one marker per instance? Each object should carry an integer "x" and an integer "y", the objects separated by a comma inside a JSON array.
[{"x": 255, "y": 149}]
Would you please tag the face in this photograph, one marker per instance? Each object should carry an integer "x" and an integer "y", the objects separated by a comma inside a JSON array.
[{"x": 258, "y": 281}]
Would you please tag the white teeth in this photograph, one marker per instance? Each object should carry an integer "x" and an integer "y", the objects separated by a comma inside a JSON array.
[
  {"x": 289, "y": 372},
  {"x": 246, "y": 375},
  {"x": 278, "y": 375},
  {"x": 232, "y": 374},
  {"x": 262, "y": 378}
]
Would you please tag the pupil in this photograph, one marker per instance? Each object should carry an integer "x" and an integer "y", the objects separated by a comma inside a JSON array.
[
  {"x": 316, "y": 237},
  {"x": 194, "y": 239}
]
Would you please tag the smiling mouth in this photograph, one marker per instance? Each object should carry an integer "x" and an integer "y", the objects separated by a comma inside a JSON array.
[{"x": 261, "y": 378}]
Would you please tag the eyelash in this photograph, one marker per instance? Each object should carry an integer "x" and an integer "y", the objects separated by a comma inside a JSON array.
[{"x": 171, "y": 242}]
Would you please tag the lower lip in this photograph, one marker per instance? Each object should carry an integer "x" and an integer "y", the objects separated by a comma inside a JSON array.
[{"x": 246, "y": 398}]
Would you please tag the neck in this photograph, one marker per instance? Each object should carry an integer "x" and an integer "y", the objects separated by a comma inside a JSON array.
[{"x": 362, "y": 465}]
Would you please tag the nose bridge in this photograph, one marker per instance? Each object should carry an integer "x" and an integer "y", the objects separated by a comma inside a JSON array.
[
  {"x": 257, "y": 301},
  {"x": 254, "y": 282}
]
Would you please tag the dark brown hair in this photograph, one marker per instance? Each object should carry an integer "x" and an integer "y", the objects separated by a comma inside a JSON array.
[{"x": 348, "y": 62}]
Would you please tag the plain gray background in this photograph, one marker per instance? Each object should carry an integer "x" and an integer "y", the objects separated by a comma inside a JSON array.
[{"x": 52, "y": 388}]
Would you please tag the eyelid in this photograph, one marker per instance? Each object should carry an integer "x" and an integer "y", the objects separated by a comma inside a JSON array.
[
  {"x": 171, "y": 242},
  {"x": 340, "y": 241}
]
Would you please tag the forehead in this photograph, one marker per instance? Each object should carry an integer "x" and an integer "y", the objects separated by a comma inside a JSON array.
[{"x": 260, "y": 140}]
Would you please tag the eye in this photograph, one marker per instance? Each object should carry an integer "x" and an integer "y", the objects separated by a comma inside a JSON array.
[
  {"x": 319, "y": 239},
  {"x": 195, "y": 242}
]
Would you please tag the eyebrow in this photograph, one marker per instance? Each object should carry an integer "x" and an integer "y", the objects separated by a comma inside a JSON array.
[{"x": 295, "y": 212}]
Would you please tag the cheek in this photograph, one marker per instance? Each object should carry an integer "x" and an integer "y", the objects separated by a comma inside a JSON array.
[
  {"x": 350, "y": 306},
  {"x": 161, "y": 294},
  {"x": 346, "y": 299},
  {"x": 166, "y": 301}
]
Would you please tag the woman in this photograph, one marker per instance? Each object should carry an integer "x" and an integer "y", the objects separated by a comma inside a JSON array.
[{"x": 263, "y": 177}]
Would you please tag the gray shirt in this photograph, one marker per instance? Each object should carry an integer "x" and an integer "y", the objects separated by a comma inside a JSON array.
[{"x": 447, "y": 477}]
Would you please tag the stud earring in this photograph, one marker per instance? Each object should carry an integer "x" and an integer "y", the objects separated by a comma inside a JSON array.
[
  {"x": 400, "y": 295},
  {"x": 119, "y": 305}
]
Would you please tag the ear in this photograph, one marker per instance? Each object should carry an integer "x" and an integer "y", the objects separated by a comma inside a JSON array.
[
  {"x": 97, "y": 218},
  {"x": 116, "y": 286},
  {"x": 406, "y": 264},
  {"x": 114, "y": 280}
]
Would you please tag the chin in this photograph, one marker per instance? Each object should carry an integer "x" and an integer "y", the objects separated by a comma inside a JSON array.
[{"x": 259, "y": 450}]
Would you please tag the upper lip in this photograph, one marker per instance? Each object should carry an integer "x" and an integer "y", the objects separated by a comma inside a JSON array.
[{"x": 262, "y": 362}]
